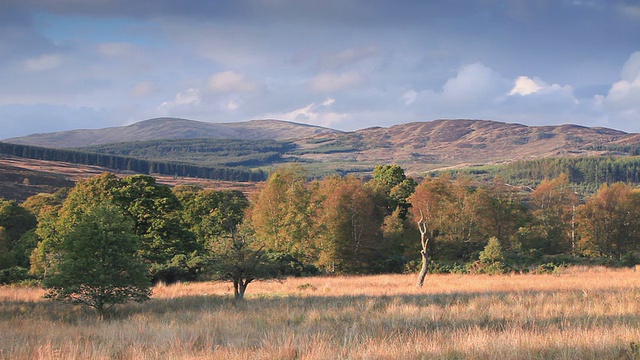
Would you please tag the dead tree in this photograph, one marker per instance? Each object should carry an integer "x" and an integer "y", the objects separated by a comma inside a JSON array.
[{"x": 424, "y": 240}]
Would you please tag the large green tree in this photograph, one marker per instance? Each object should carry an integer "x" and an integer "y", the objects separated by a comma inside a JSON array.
[
  {"x": 99, "y": 264},
  {"x": 211, "y": 213},
  {"x": 155, "y": 210},
  {"x": 166, "y": 245},
  {"x": 15, "y": 222}
]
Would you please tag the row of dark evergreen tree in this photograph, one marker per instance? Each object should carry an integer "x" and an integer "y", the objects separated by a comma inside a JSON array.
[
  {"x": 126, "y": 163},
  {"x": 586, "y": 173}
]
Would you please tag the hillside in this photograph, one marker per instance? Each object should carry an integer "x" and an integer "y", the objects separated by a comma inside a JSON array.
[
  {"x": 423, "y": 146},
  {"x": 417, "y": 147},
  {"x": 22, "y": 177},
  {"x": 173, "y": 128}
]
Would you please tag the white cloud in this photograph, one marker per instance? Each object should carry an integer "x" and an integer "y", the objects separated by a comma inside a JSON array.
[
  {"x": 329, "y": 82},
  {"x": 328, "y": 102},
  {"x": 539, "y": 93},
  {"x": 525, "y": 85},
  {"x": 189, "y": 97},
  {"x": 475, "y": 83},
  {"x": 409, "y": 97},
  {"x": 622, "y": 103},
  {"x": 43, "y": 63},
  {"x": 230, "y": 81},
  {"x": 313, "y": 114}
]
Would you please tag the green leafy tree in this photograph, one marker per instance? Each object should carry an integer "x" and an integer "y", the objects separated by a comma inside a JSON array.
[
  {"x": 153, "y": 207},
  {"x": 99, "y": 265},
  {"x": 6, "y": 258},
  {"x": 155, "y": 210},
  {"x": 396, "y": 186},
  {"x": 493, "y": 252},
  {"x": 211, "y": 213},
  {"x": 15, "y": 221},
  {"x": 55, "y": 222},
  {"x": 492, "y": 259}
]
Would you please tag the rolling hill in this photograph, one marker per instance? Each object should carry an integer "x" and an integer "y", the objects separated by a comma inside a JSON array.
[
  {"x": 422, "y": 146},
  {"x": 173, "y": 128},
  {"x": 417, "y": 147}
]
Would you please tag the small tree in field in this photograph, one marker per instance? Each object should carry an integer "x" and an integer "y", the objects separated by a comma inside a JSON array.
[
  {"x": 99, "y": 265},
  {"x": 240, "y": 259}
]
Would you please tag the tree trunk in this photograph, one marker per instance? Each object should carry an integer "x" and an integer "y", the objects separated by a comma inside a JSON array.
[
  {"x": 423, "y": 270},
  {"x": 236, "y": 289},
  {"x": 424, "y": 241},
  {"x": 239, "y": 287},
  {"x": 243, "y": 287}
]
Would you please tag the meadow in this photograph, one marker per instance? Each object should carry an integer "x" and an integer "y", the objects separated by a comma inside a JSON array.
[{"x": 579, "y": 313}]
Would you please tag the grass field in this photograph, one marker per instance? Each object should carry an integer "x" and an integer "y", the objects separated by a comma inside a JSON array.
[{"x": 578, "y": 314}]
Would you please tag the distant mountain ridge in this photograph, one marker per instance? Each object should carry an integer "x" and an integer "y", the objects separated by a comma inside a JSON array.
[
  {"x": 173, "y": 128},
  {"x": 416, "y": 146}
]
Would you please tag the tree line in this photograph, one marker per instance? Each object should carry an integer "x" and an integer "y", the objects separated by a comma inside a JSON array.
[
  {"x": 389, "y": 223},
  {"x": 127, "y": 163},
  {"x": 586, "y": 173},
  {"x": 203, "y": 152}
]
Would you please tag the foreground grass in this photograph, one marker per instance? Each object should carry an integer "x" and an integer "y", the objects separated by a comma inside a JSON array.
[{"x": 579, "y": 314}]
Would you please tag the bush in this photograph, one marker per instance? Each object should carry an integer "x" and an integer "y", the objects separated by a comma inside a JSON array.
[
  {"x": 14, "y": 275},
  {"x": 395, "y": 264},
  {"x": 181, "y": 268},
  {"x": 629, "y": 260},
  {"x": 287, "y": 265},
  {"x": 493, "y": 268},
  {"x": 549, "y": 268}
]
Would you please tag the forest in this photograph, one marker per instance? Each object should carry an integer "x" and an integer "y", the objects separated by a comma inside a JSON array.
[
  {"x": 230, "y": 171},
  {"x": 586, "y": 174},
  {"x": 337, "y": 225}
]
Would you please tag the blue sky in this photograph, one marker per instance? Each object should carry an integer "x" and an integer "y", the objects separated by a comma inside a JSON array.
[{"x": 345, "y": 64}]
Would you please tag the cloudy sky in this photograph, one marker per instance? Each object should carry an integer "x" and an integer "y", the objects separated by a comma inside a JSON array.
[{"x": 346, "y": 64}]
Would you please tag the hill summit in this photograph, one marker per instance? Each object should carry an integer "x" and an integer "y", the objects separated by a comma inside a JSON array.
[{"x": 174, "y": 128}]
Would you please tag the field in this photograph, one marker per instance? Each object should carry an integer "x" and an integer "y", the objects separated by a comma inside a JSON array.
[{"x": 581, "y": 313}]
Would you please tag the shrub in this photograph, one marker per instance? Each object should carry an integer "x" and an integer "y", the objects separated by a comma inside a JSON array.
[
  {"x": 13, "y": 275},
  {"x": 629, "y": 260},
  {"x": 493, "y": 268},
  {"x": 288, "y": 265}
]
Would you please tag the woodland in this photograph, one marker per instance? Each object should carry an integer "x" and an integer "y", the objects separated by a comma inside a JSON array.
[{"x": 106, "y": 240}]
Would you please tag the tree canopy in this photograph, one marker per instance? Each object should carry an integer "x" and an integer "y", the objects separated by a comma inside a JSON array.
[{"x": 99, "y": 264}]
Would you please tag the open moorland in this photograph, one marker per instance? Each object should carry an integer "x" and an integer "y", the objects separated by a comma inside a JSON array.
[{"x": 579, "y": 313}]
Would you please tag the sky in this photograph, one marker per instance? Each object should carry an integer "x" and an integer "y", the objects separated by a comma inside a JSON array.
[{"x": 344, "y": 64}]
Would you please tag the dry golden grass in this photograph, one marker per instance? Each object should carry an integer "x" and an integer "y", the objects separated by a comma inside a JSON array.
[{"x": 579, "y": 314}]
